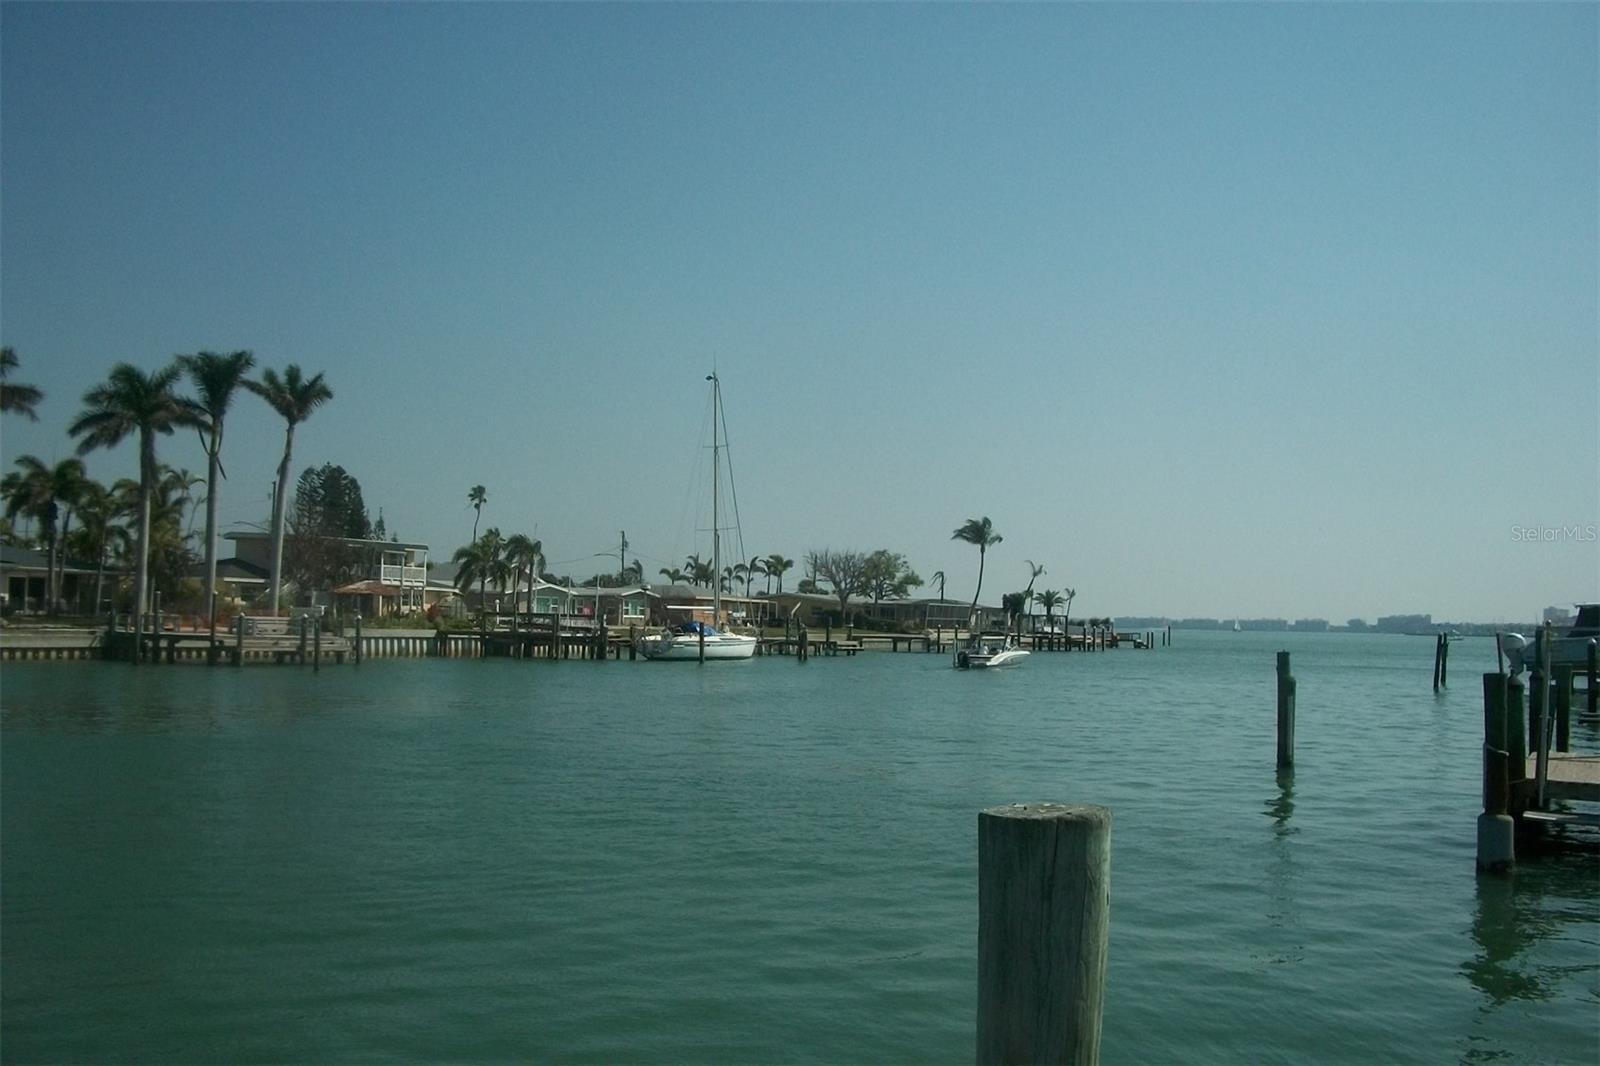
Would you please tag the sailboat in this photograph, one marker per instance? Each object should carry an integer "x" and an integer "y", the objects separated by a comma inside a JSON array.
[{"x": 695, "y": 640}]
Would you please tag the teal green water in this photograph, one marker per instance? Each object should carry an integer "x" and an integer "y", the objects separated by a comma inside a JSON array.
[{"x": 762, "y": 861}]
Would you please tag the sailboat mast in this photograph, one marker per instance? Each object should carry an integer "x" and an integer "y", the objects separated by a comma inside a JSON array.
[{"x": 716, "y": 531}]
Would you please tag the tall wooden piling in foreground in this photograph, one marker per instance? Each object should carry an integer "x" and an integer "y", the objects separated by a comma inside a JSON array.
[
  {"x": 1444, "y": 660},
  {"x": 1286, "y": 693},
  {"x": 1044, "y": 887},
  {"x": 1516, "y": 733},
  {"x": 357, "y": 648},
  {"x": 238, "y": 641},
  {"x": 316, "y": 647},
  {"x": 1438, "y": 660},
  {"x": 1496, "y": 830},
  {"x": 1592, "y": 654},
  {"x": 1563, "y": 698}
]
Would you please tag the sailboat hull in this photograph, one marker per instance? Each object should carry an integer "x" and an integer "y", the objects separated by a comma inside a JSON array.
[{"x": 678, "y": 648}]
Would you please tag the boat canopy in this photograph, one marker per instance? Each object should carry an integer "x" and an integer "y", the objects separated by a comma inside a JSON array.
[{"x": 693, "y": 629}]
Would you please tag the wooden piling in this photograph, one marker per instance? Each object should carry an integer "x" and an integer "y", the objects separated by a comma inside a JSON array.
[
  {"x": 1516, "y": 733},
  {"x": 301, "y": 651},
  {"x": 1438, "y": 656},
  {"x": 1496, "y": 830},
  {"x": 1044, "y": 880},
  {"x": 1444, "y": 660},
  {"x": 702, "y": 643},
  {"x": 1563, "y": 697},
  {"x": 357, "y": 648},
  {"x": 1593, "y": 694},
  {"x": 633, "y": 648},
  {"x": 803, "y": 645},
  {"x": 1286, "y": 693},
  {"x": 316, "y": 648},
  {"x": 238, "y": 641}
]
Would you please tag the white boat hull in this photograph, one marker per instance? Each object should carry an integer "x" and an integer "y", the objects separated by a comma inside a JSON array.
[
  {"x": 678, "y": 647},
  {"x": 990, "y": 657}
]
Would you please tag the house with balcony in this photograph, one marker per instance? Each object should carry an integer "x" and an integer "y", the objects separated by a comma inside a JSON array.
[{"x": 394, "y": 574}]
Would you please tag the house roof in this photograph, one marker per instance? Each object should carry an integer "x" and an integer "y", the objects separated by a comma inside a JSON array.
[
  {"x": 369, "y": 587},
  {"x": 15, "y": 558},
  {"x": 354, "y": 542}
]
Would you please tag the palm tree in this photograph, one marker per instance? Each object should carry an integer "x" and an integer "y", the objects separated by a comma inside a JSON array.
[
  {"x": 522, "y": 551},
  {"x": 477, "y": 496},
  {"x": 776, "y": 564},
  {"x": 294, "y": 398},
  {"x": 216, "y": 378},
  {"x": 1067, "y": 596},
  {"x": 675, "y": 576},
  {"x": 131, "y": 401},
  {"x": 479, "y": 563},
  {"x": 979, "y": 531},
  {"x": 19, "y": 398},
  {"x": 1034, "y": 571},
  {"x": 1049, "y": 599},
  {"x": 938, "y": 575},
  {"x": 48, "y": 494},
  {"x": 97, "y": 525}
]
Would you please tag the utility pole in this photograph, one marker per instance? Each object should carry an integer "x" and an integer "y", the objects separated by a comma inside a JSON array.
[{"x": 622, "y": 560}]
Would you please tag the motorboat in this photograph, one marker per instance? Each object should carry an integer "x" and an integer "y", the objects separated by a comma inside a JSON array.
[
  {"x": 987, "y": 652},
  {"x": 1567, "y": 649}
]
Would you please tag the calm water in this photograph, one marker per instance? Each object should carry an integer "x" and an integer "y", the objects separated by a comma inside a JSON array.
[{"x": 761, "y": 862}]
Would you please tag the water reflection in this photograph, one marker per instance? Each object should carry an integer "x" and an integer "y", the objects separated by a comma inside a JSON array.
[
  {"x": 1281, "y": 806},
  {"x": 1285, "y": 943}
]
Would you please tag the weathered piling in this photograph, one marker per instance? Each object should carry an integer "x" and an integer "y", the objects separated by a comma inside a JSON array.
[
  {"x": 633, "y": 647},
  {"x": 305, "y": 622},
  {"x": 803, "y": 646},
  {"x": 238, "y": 641},
  {"x": 1444, "y": 660},
  {"x": 211, "y": 630},
  {"x": 1438, "y": 659},
  {"x": 702, "y": 644},
  {"x": 316, "y": 647},
  {"x": 1563, "y": 696},
  {"x": 1496, "y": 830},
  {"x": 1044, "y": 880},
  {"x": 1516, "y": 733},
  {"x": 1593, "y": 660},
  {"x": 1286, "y": 693},
  {"x": 357, "y": 648}
]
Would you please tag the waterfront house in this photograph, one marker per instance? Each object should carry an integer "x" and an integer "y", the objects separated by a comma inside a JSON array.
[
  {"x": 819, "y": 608},
  {"x": 690, "y": 603},
  {"x": 24, "y": 575},
  {"x": 394, "y": 581}
]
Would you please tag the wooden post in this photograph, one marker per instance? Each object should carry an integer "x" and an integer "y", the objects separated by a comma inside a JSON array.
[
  {"x": 1516, "y": 733},
  {"x": 1044, "y": 881},
  {"x": 238, "y": 641},
  {"x": 1496, "y": 830},
  {"x": 702, "y": 635},
  {"x": 600, "y": 641},
  {"x": 316, "y": 647},
  {"x": 803, "y": 647},
  {"x": 1563, "y": 696},
  {"x": 1438, "y": 655},
  {"x": 1286, "y": 692},
  {"x": 1444, "y": 660},
  {"x": 1593, "y": 693},
  {"x": 301, "y": 652},
  {"x": 357, "y": 648},
  {"x": 211, "y": 648},
  {"x": 1538, "y": 691}
]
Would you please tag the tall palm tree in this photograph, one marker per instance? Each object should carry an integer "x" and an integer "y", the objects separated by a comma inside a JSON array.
[
  {"x": 776, "y": 564},
  {"x": 1067, "y": 596},
  {"x": 523, "y": 551},
  {"x": 16, "y": 397},
  {"x": 1034, "y": 571},
  {"x": 477, "y": 496},
  {"x": 294, "y": 397},
  {"x": 131, "y": 401},
  {"x": 752, "y": 568},
  {"x": 979, "y": 531},
  {"x": 47, "y": 494},
  {"x": 216, "y": 379},
  {"x": 675, "y": 576},
  {"x": 938, "y": 575}
]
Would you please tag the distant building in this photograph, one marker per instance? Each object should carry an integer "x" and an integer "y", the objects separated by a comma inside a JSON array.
[
  {"x": 1558, "y": 616},
  {"x": 396, "y": 580},
  {"x": 1405, "y": 623},
  {"x": 1357, "y": 625},
  {"x": 1311, "y": 625},
  {"x": 22, "y": 582}
]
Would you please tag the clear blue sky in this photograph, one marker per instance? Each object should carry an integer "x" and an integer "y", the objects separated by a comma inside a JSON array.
[{"x": 1222, "y": 310}]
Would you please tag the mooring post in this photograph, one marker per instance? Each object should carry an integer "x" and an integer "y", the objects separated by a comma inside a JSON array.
[
  {"x": 316, "y": 647},
  {"x": 633, "y": 648},
  {"x": 238, "y": 640},
  {"x": 1286, "y": 692},
  {"x": 1516, "y": 733},
  {"x": 600, "y": 642},
  {"x": 1593, "y": 694},
  {"x": 1563, "y": 696},
  {"x": 1444, "y": 660},
  {"x": 1044, "y": 886},
  {"x": 803, "y": 645},
  {"x": 301, "y": 652},
  {"x": 1496, "y": 830},
  {"x": 1438, "y": 656},
  {"x": 211, "y": 647},
  {"x": 357, "y": 648},
  {"x": 1538, "y": 703},
  {"x": 702, "y": 642}
]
